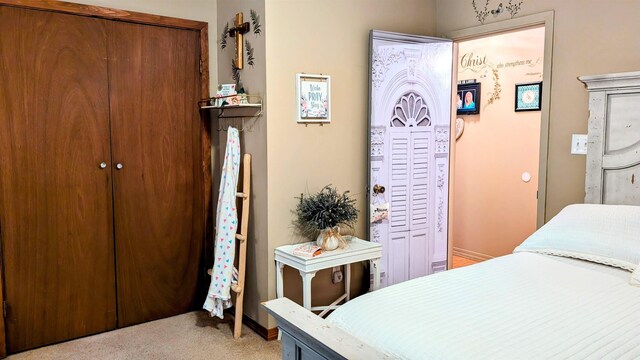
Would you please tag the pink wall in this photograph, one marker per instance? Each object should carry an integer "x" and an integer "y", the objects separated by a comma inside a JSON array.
[{"x": 494, "y": 210}]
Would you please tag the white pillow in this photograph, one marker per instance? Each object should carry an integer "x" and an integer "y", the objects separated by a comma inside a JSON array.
[{"x": 606, "y": 234}]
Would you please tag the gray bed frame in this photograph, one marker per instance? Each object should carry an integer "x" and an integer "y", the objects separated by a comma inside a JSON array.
[{"x": 305, "y": 335}]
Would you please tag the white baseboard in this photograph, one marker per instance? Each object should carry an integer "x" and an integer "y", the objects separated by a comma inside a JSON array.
[{"x": 472, "y": 255}]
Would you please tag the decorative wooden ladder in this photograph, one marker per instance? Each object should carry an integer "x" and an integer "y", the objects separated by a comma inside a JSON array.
[{"x": 238, "y": 288}]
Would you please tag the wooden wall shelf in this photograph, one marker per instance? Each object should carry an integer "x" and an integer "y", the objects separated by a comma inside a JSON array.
[{"x": 235, "y": 110}]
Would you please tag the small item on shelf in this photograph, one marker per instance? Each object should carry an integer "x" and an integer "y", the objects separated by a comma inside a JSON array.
[
  {"x": 227, "y": 89},
  {"x": 307, "y": 250},
  {"x": 242, "y": 97},
  {"x": 223, "y": 94},
  {"x": 234, "y": 100}
]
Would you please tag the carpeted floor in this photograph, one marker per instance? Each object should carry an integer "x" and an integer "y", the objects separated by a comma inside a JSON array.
[{"x": 189, "y": 336}]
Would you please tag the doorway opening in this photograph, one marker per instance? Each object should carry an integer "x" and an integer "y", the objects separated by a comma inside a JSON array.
[{"x": 499, "y": 163}]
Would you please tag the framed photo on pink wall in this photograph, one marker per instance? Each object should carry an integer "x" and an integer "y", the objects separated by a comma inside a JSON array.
[
  {"x": 528, "y": 96},
  {"x": 468, "y": 99}
]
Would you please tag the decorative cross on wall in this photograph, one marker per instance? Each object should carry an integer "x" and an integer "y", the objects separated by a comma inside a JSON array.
[{"x": 238, "y": 31}]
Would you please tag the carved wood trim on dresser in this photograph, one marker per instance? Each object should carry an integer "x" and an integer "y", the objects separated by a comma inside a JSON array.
[{"x": 613, "y": 148}]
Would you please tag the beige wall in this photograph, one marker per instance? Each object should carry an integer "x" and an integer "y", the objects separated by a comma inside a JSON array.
[
  {"x": 328, "y": 37},
  {"x": 493, "y": 209},
  {"x": 253, "y": 141},
  {"x": 201, "y": 10},
  {"x": 590, "y": 37}
]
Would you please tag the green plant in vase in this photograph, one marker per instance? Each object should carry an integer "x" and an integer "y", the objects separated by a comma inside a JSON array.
[{"x": 323, "y": 214}]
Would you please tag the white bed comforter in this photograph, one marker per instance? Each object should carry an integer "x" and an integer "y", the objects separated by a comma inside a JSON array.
[{"x": 520, "y": 306}]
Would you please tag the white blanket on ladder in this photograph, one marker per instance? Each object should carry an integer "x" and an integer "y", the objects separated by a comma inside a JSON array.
[{"x": 219, "y": 296}]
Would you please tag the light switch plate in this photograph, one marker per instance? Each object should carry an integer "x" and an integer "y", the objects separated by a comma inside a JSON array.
[{"x": 579, "y": 144}]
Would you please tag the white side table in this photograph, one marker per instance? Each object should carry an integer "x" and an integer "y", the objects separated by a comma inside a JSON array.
[{"x": 356, "y": 250}]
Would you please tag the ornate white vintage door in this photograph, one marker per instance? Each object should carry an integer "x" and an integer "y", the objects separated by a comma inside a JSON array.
[{"x": 409, "y": 120}]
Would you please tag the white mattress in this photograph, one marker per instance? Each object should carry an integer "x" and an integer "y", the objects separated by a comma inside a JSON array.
[{"x": 520, "y": 306}]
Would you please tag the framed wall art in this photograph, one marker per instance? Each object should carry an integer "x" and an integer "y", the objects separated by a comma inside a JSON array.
[
  {"x": 313, "y": 100},
  {"x": 528, "y": 96},
  {"x": 468, "y": 100}
]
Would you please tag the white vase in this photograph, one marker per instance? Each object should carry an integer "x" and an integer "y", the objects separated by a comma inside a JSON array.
[{"x": 332, "y": 242}]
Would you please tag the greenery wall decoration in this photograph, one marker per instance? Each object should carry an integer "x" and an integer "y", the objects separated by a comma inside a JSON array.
[
  {"x": 513, "y": 8},
  {"x": 249, "y": 48},
  {"x": 255, "y": 21},
  {"x": 497, "y": 88},
  {"x": 482, "y": 14},
  {"x": 223, "y": 38},
  {"x": 235, "y": 72}
]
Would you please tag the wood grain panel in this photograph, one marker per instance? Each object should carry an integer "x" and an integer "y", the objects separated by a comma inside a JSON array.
[
  {"x": 205, "y": 120},
  {"x": 105, "y": 13},
  {"x": 154, "y": 92},
  {"x": 55, "y": 201},
  {"x": 621, "y": 186},
  {"x": 3, "y": 340}
]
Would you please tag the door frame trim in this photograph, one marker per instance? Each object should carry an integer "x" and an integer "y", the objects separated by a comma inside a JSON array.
[
  {"x": 205, "y": 128},
  {"x": 544, "y": 19}
]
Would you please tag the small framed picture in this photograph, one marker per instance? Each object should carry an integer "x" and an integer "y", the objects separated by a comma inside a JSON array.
[
  {"x": 313, "y": 99},
  {"x": 468, "y": 100},
  {"x": 528, "y": 96}
]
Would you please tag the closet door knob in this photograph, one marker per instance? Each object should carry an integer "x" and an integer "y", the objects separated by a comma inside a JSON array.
[
  {"x": 119, "y": 166},
  {"x": 103, "y": 165}
]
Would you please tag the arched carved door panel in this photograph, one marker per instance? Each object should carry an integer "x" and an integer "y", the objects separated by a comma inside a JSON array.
[{"x": 409, "y": 115}]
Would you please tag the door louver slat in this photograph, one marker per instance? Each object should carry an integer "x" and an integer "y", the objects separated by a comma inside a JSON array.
[
  {"x": 419, "y": 189},
  {"x": 399, "y": 182}
]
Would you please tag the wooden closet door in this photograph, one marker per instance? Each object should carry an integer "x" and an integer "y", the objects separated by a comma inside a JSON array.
[
  {"x": 158, "y": 197},
  {"x": 56, "y": 218}
]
